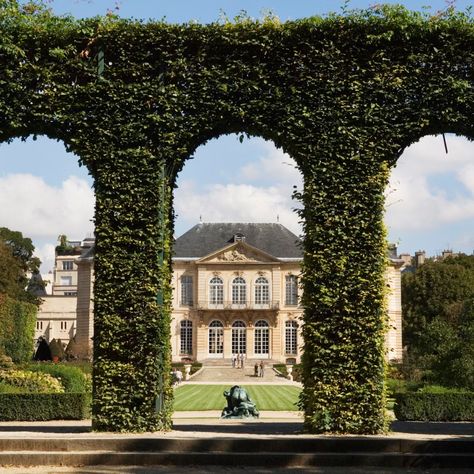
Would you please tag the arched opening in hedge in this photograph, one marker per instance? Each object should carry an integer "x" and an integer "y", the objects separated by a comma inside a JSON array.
[
  {"x": 44, "y": 193},
  {"x": 235, "y": 183},
  {"x": 430, "y": 211},
  {"x": 237, "y": 178}
]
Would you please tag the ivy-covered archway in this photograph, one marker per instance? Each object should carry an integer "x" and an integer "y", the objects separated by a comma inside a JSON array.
[{"x": 343, "y": 95}]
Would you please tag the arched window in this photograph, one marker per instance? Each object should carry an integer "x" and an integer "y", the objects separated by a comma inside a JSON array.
[
  {"x": 186, "y": 333},
  {"x": 262, "y": 338},
  {"x": 291, "y": 290},
  {"x": 216, "y": 291},
  {"x": 239, "y": 338},
  {"x": 291, "y": 337},
  {"x": 239, "y": 291},
  {"x": 216, "y": 338},
  {"x": 262, "y": 291},
  {"x": 187, "y": 290}
]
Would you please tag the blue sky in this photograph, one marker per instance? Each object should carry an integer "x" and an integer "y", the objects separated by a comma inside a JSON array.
[{"x": 430, "y": 200}]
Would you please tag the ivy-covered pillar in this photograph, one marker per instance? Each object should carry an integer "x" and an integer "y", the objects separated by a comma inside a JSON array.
[
  {"x": 343, "y": 295},
  {"x": 131, "y": 386}
]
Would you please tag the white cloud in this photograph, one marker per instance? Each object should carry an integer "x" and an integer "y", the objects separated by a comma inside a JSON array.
[
  {"x": 259, "y": 191},
  {"x": 42, "y": 212},
  {"x": 274, "y": 165},
  {"x": 45, "y": 253},
  {"x": 236, "y": 203},
  {"x": 413, "y": 203}
]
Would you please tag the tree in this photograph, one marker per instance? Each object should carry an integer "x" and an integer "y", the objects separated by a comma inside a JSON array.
[
  {"x": 22, "y": 247},
  {"x": 438, "y": 317},
  {"x": 12, "y": 275},
  {"x": 436, "y": 289},
  {"x": 16, "y": 259}
]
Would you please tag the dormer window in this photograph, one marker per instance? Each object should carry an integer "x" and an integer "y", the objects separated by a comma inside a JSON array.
[{"x": 239, "y": 237}]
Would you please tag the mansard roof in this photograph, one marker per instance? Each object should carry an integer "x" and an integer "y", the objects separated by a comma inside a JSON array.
[{"x": 206, "y": 238}]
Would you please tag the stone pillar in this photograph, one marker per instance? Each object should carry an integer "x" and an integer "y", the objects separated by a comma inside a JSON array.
[
  {"x": 201, "y": 342},
  {"x": 227, "y": 341},
  {"x": 250, "y": 342}
]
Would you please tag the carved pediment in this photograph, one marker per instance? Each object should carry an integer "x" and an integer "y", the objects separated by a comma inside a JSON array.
[{"x": 239, "y": 253}]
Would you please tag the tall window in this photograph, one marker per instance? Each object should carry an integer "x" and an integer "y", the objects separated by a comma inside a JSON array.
[
  {"x": 291, "y": 337},
  {"x": 67, "y": 264},
  {"x": 262, "y": 292},
  {"x": 186, "y": 333},
  {"x": 63, "y": 325},
  {"x": 239, "y": 338},
  {"x": 66, "y": 280},
  {"x": 216, "y": 291},
  {"x": 216, "y": 338},
  {"x": 261, "y": 338},
  {"x": 239, "y": 291},
  {"x": 291, "y": 290},
  {"x": 186, "y": 290}
]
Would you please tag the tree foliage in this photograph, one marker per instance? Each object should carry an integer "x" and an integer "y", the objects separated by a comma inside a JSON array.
[
  {"x": 343, "y": 95},
  {"x": 437, "y": 289},
  {"x": 438, "y": 313},
  {"x": 17, "y": 328},
  {"x": 16, "y": 260}
]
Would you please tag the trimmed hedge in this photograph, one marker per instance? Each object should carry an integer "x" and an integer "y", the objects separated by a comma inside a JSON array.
[
  {"x": 17, "y": 328},
  {"x": 447, "y": 406},
  {"x": 72, "y": 378},
  {"x": 343, "y": 95},
  {"x": 44, "y": 406}
]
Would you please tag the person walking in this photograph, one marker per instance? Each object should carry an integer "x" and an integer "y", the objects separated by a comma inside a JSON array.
[
  {"x": 256, "y": 370},
  {"x": 234, "y": 358},
  {"x": 242, "y": 363},
  {"x": 262, "y": 368}
]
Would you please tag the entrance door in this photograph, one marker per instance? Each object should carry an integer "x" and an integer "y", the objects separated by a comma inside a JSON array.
[
  {"x": 262, "y": 339},
  {"x": 216, "y": 339},
  {"x": 239, "y": 338}
]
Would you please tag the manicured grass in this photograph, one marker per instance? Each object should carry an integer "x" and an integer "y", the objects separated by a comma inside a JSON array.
[{"x": 210, "y": 397}]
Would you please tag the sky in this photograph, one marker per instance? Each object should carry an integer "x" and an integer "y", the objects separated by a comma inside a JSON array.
[{"x": 429, "y": 202}]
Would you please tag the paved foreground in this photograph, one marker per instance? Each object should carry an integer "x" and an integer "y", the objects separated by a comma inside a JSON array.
[
  {"x": 271, "y": 424},
  {"x": 225, "y": 470},
  {"x": 199, "y": 441}
]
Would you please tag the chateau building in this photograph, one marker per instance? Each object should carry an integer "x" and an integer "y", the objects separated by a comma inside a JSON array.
[{"x": 235, "y": 291}]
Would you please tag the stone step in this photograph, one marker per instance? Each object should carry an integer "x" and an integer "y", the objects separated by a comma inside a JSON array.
[
  {"x": 262, "y": 459},
  {"x": 268, "y": 452}
]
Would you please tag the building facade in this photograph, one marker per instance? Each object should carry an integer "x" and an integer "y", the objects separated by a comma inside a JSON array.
[
  {"x": 236, "y": 290},
  {"x": 57, "y": 315}
]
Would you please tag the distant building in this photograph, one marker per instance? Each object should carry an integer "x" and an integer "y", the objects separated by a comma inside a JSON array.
[
  {"x": 57, "y": 315},
  {"x": 236, "y": 291}
]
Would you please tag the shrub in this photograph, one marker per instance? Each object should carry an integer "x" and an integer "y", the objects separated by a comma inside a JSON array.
[
  {"x": 72, "y": 378},
  {"x": 449, "y": 405},
  {"x": 7, "y": 388},
  {"x": 31, "y": 381},
  {"x": 17, "y": 328},
  {"x": 43, "y": 352},
  {"x": 6, "y": 362},
  {"x": 44, "y": 406},
  {"x": 56, "y": 348}
]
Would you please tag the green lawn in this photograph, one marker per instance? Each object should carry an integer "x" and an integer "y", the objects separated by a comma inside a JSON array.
[{"x": 210, "y": 397}]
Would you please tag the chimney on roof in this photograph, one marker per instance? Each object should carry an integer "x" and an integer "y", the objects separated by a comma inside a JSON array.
[{"x": 420, "y": 258}]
